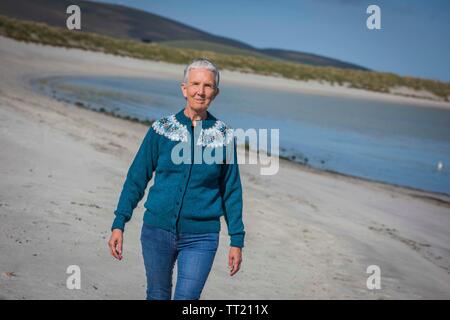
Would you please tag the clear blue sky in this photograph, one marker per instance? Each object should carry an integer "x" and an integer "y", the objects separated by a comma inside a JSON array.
[{"x": 414, "y": 39}]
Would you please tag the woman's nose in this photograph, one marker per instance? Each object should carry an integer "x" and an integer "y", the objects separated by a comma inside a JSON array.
[{"x": 201, "y": 90}]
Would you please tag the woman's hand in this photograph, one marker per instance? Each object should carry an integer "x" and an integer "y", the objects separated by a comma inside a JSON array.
[
  {"x": 115, "y": 243},
  {"x": 234, "y": 260}
]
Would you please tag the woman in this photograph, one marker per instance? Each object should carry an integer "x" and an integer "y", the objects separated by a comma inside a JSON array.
[{"x": 188, "y": 197}]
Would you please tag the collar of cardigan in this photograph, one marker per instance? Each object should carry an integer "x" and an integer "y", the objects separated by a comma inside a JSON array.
[
  {"x": 213, "y": 133},
  {"x": 207, "y": 123}
]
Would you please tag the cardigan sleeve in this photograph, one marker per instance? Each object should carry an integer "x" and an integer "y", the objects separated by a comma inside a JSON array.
[
  {"x": 138, "y": 176},
  {"x": 231, "y": 191}
]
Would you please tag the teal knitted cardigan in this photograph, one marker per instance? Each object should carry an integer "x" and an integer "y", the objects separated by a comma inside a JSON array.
[{"x": 190, "y": 192}]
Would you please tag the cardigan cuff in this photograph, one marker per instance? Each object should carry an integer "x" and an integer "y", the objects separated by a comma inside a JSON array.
[
  {"x": 119, "y": 223},
  {"x": 237, "y": 240}
]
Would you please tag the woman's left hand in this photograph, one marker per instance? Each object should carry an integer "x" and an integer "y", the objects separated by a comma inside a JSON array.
[{"x": 234, "y": 260}]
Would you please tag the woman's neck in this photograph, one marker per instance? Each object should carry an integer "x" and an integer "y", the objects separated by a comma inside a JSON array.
[{"x": 194, "y": 115}]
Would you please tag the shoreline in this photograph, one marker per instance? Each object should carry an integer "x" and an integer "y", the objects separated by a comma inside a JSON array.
[
  {"x": 34, "y": 83},
  {"x": 437, "y": 196},
  {"x": 327, "y": 89},
  {"x": 310, "y": 234},
  {"x": 404, "y": 96}
]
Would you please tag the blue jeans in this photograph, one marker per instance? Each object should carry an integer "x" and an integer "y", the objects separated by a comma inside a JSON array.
[{"x": 195, "y": 255}]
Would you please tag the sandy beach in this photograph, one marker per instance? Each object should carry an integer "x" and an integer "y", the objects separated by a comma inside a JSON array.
[{"x": 310, "y": 234}]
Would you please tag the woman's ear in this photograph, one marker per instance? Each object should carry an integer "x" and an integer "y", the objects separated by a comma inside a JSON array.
[
  {"x": 184, "y": 90},
  {"x": 216, "y": 93}
]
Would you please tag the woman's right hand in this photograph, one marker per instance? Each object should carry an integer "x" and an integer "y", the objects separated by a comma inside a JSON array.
[{"x": 115, "y": 243}]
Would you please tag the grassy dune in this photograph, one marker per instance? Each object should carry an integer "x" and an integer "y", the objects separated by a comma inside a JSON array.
[
  {"x": 374, "y": 81},
  {"x": 214, "y": 47}
]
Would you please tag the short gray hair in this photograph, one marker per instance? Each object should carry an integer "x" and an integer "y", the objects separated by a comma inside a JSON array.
[{"x": 202, "y": 63}]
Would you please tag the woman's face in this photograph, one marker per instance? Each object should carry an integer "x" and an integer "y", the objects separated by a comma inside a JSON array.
[{"x": 200, "y": 89}]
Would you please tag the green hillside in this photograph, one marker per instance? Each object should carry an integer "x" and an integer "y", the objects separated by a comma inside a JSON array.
[
  {"x": 213, "y": 47},
  {"x": 120, "y": 21}
]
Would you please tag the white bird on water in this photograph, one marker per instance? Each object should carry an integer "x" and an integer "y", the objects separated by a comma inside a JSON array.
[{"x": 440, "y": 165}]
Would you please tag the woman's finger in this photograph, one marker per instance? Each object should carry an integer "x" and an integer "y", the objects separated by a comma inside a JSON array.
[
  {"x": 112, "y": 247},
  {"x": 236, "y": 266},
  {"x": 234, "y": 270},
  {"x": 119, "y": 249}
]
